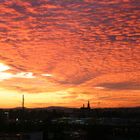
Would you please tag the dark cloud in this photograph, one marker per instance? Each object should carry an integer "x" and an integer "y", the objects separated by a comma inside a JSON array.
[
  {"x": 121, "y": 86},
  {"x": 18, "y": 8}
]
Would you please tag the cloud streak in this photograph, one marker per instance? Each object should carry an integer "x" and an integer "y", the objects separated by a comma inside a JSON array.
[{"x": 121, "y": 86}]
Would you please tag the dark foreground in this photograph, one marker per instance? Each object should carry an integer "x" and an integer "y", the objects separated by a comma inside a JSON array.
[{"x": 70, "y": 124}]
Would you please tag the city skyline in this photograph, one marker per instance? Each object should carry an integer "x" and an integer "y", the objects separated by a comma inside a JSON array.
[{"x": 64, "y": 53}]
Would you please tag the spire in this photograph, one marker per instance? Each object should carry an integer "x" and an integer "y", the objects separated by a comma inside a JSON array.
[
  {"x": 88, "y": 105},
  {"x": 83, "y": 106}
]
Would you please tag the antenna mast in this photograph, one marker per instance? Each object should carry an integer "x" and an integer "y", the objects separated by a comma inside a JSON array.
[{"x": 23, "y": 101}]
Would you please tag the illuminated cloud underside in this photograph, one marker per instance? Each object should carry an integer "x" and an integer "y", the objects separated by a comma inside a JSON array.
[{"x": 87, "y": 49}]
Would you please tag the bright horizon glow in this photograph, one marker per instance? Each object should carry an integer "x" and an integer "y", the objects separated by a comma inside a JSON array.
[
  {"x": 3, "y": 67},
  {"x": 7, "y": 75},
  {"x": 47, "y": 75}
]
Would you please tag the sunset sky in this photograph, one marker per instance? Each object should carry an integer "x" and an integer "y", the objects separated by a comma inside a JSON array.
[{"x": 66, "y": 52}]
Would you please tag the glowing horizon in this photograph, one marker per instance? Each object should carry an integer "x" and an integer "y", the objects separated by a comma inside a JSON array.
[{"x": 64, "y": 53}]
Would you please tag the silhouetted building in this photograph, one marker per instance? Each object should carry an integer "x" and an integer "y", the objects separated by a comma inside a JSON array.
[
  {"x": 86, "y": 108},
  {"x": 88, "y": 105}
]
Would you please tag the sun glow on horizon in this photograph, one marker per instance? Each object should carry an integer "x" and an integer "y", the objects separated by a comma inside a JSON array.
[
  {"x": 3, "y": 67},
  {"x": 7, "y": 75}
]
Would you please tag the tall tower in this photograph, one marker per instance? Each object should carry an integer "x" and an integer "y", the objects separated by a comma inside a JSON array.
[
  {"x": 88, "y": 105},
  {"x": 23, "y": 101},
  {"x": 22, "y": 117}
]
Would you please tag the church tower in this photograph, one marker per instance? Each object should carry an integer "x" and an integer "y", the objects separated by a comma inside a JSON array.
[{"x": 88, "y": 105}]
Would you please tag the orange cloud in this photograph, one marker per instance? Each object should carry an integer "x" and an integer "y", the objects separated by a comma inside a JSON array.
[{"x": 87, "y": 46}]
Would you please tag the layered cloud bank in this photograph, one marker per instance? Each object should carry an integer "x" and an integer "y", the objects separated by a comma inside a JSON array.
[{"x": 71, "y": 50}]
